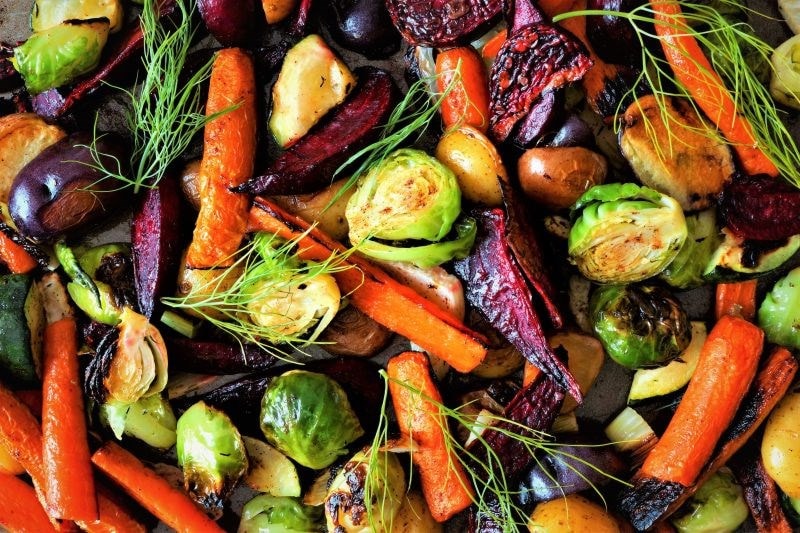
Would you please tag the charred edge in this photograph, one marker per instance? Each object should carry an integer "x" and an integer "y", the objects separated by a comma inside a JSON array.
[
  {"x": 239, "y": 399},
  {"x": 760, "y": 208},
  {"x": 100, "y": 366},
  {"x": 352, "y": 503},
  {"x": 38, "y": 255},
  {"x": 116, "y": 270},
  {"x": 648, "y": 500},
  {"x": 760, "y": 491},
  {"x": 620, "y": 91}
]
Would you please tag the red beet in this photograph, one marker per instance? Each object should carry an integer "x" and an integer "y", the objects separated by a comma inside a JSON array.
[
  {"x": 761, "y": 208},
  {"x": 229, "y": 21},
  {"x": 441, "y": 23}
]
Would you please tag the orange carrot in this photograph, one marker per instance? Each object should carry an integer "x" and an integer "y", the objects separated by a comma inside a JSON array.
[
  {"x": 529, "y": 373},
  {"x": 154, "y": 493},
  {"x": 493, "y": 45},
  {"x": 727, "y": 365},
  {"x": 32, "y": 398},
  {"x": 693, "y": 70},
  {"x": 468, "y": 99},
  {"x": 378, "y": 295},
  {"x": 228, "y": 155},
  {"x": 20, "y": 510},
  {"x": 445, "y": 485},
  {"x": 114, "y": 515},
  {"x": 15, "y": 257},
  {"x": 69, "y": 482},
  {"x": 737, "y": 299}
]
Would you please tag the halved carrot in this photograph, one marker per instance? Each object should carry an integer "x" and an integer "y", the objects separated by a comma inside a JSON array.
[
  {"x": 377, "y": 294},
  {"x": 15, "y": 257},
  {"x": 468, "y": 99},
  {"x": 737, "y": 299},
  {"x": 229, "y": 147},
  {"x": 727, "y": 365},
  {"x": 445, "y": 485},
  {"x": 20, "y": 509},
  {"x": 153, "y": 492},
  {"x": 693, "y": 70},
  {"x": 69, "y": 481}
]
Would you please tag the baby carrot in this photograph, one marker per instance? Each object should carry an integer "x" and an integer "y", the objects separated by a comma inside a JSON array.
[
  {"x": 737, "y": 299},
  {"x": 20, "y": 510},
  {"x": 462, "y": 70}
]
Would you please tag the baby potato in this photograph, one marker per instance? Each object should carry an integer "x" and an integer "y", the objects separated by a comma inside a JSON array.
[
  {"x": 474, "y": 160},
  {"x": 780, "y": 448},
  {"x": 556, "y": 177},
  {"x": 572, "y": 514}
]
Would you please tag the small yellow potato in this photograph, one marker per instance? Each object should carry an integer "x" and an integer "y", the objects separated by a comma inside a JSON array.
[
  {"x": 780, "y": 448},
  {"x": 277, "y": 10},
  {"x": 556, "y": 177},
  {"x": 571, "y": 514},
  {"x": 474, "y": 160},
  {"x": 414, "y": 516}
]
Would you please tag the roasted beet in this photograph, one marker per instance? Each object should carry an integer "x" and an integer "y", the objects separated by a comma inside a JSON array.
[
  {"x": 212, "y": 357},
  {"x": 541, "y": 117},
  {"x": 761, "y": 208},
  {"x": 614, "y": 38},
  {"x": 308, "y": 165},
  {"x": 534, "y": 59},
  {"x": 364, "y": 26},
  {"x": 229, "y": 21},
  {"x": 573, "y": 132},
  {"x": 442, "y": 22}
]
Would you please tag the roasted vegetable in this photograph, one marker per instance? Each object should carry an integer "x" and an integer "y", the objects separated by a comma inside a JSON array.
[
  {"x": 308, "y": 417},
  {"x": 779, "y": 314},
  {"x": 779, "y": 446},
  {"x": 640, "y": 326},
  {"x": 230, "y": 21},
  {"x": 760, "y": 207},
  {"x": 21, "y": 327},
  {"x": 325, "y": 207},
  {"x": 270, "y": 471},
  {"x": 277, "y": 10},
  {"x": 441, "y": 25},
  {"x": 211, "y": 453},
  {"x": 149, "y": 419},
  {"x": 266, "y": 513},
  {"x": 353, "y": 333},
  {"x": 23, "y": 136},
  {"x": 557, "y": 177},
  {"x": 212, "y": 357},
  {"x": 364, "y": 26},
  {"x": 624, "y": 233},
  {"x": 475, "y": 161},
  {"x": 613, "y": 38},
  {"x": 366, "y": 494},
  {"x": 59, "y": 54},
  {"x": 687, "y": 269},
  {"x": 571, "y": 513},
  {"x": 737, "y": 258},
  {"x": 48, "y": 13},
  {"x": 718, "y": 506},
  {"x": 785, "y": 82}
]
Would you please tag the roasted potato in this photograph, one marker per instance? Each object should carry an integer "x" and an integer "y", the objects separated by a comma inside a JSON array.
[
  {"x": 572, "y": 513},
  {"x": 557, "y": 177}
]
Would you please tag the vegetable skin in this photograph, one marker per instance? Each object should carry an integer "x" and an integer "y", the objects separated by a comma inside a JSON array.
[{"x": 20, "y": 509}]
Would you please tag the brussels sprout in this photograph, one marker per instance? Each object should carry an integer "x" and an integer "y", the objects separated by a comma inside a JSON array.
[
  {"x": 779, "y": 314},
  {"x": 686, "y": 270},
  {"x": 718, "y": 506},
  {"x": 785, "y": 82},
  {"x": 150, "y": 420},
  {"x": 639, "y": 326},
  {"x": 211, "y": 453},
  {"x": 273, "y": 514},
  {"x": 58, "y": 55},
  {"x": 623, "y": 233},
  {"x": 48, "y": 13},
  {"x": 353, "y": 507},
  {"x": 409, "y": 195},
  {"x": 308, "y": 417}
]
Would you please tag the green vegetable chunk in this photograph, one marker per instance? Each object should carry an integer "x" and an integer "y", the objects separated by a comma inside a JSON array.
[
  {"x": 639, "y": 326},
  {"x": 211, "y": 453},
  {"x": 48, "y": 13},
  {"x": 686, "y": 270},
  {"x": 58, "y": 55},
  {"x": 17, "y": 363},
  {"x": 717, "y": 507},
  {"x": 150, "y": 420},
  {"x": 273, "y": 514},
  {"x": 785, "y": 82},
  {"x": 779, "y": 314},
  {"x": 624, "y": 233},
  {"x": 308, "y": 417}
]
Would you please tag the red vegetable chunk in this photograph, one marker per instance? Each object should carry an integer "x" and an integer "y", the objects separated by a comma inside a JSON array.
[
  {"x": 761, "y": 208},
  {"x": 442, "y": 23}
]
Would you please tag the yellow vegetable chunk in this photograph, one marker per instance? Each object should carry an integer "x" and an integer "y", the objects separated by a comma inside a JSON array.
[
  {"x": 571, "y": 514},
  {"x": 780, "y": 448},
  {"x": 474, "y": 160}
]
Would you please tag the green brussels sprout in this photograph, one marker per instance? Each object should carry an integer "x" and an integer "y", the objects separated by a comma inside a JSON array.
[
  {"x": 686, "y": 270},
  {"x": 366, "y": 494},
  {"x": 639, "y": 326},
  {"x": 212, "y": 455},
  {"x": 624, "y": 233},
  {"x": 718, "y": 506},
  {"x": 48, "y": 13},
  {"x": 785, "y": 82},
  {"x": 308, "y": 417},
  {"x": 58, "y": 55},
  {"x": 150, "y": 420},
  {"x": 273, "y": 514},
  {"x": 779, "y": 313},
  {"x": 408, "y": 195}
]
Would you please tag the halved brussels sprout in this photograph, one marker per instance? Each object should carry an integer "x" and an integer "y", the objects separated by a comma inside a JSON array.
[
  {"x": 211, "y": 453},
  {"x": 48, "y": 13},
  {"x": 686, "y": 270},
  {"x": 58, "y": 55},
  {"x": 409, "y": 195},
  {"x": 308, "y": 417},
  {"x": 150, "y": 420},
  {"x": 785, "y": 83},
  {"x": 717, "y": 506},
  {"x": 274, "y": 514},
  {"x": 639, "y": 326},
  {"x": 624, "y": 233},
  {"x": 352, "y": 507},
  {"x": 779, "y": 314}
]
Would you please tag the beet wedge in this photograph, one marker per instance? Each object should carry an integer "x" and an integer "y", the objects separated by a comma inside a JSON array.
[
  {"x": 213, "y": 357},
  {"x": 497, "y": 287},
  {"x": 309, "y": 164},
  {"x": 440, "y": 24}
]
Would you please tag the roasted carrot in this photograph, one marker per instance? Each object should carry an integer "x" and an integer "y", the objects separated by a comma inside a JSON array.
[
  {"x": 69, "y": 482},
  {"x": 727, "y": 365},
  {"x": 445, "y": 485},
  {"x": 760, "y": 492},
  {"x": 737, "y": 299},
  {"x": 20, "y": 509},
  {"x": 114, "y": 515},
  {"x": 229, "y": 145},
  {"x": 377, "y": 294},
  {"x": 493, "y": 45},
  {"x": 462, "y": 70},
  {"x": 32, "y": 398},
  {"x": 154, "y": 493},
  {"x": 693, "y": 70},
  {"x": 16, "y": 258}
]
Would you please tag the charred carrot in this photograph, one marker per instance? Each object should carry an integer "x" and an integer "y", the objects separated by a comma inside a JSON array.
[
  {"x": 444, "y": 483},
  {"x": 693, "y": 70},
  {"x": 462, "y": 70},
  {"x": 737, "y": 299},
  {"x": 153, "y": 492},
  {"x": 20, "y": 509},
  {"x": 760, "y": 493},
  {"x": 229, "y": 145},
  {"x": 377, "y": 294},
  {"x": 69, "y": 482},
  {"x": 727, "y": 365},
  {"x": 16, "y": 258}
]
